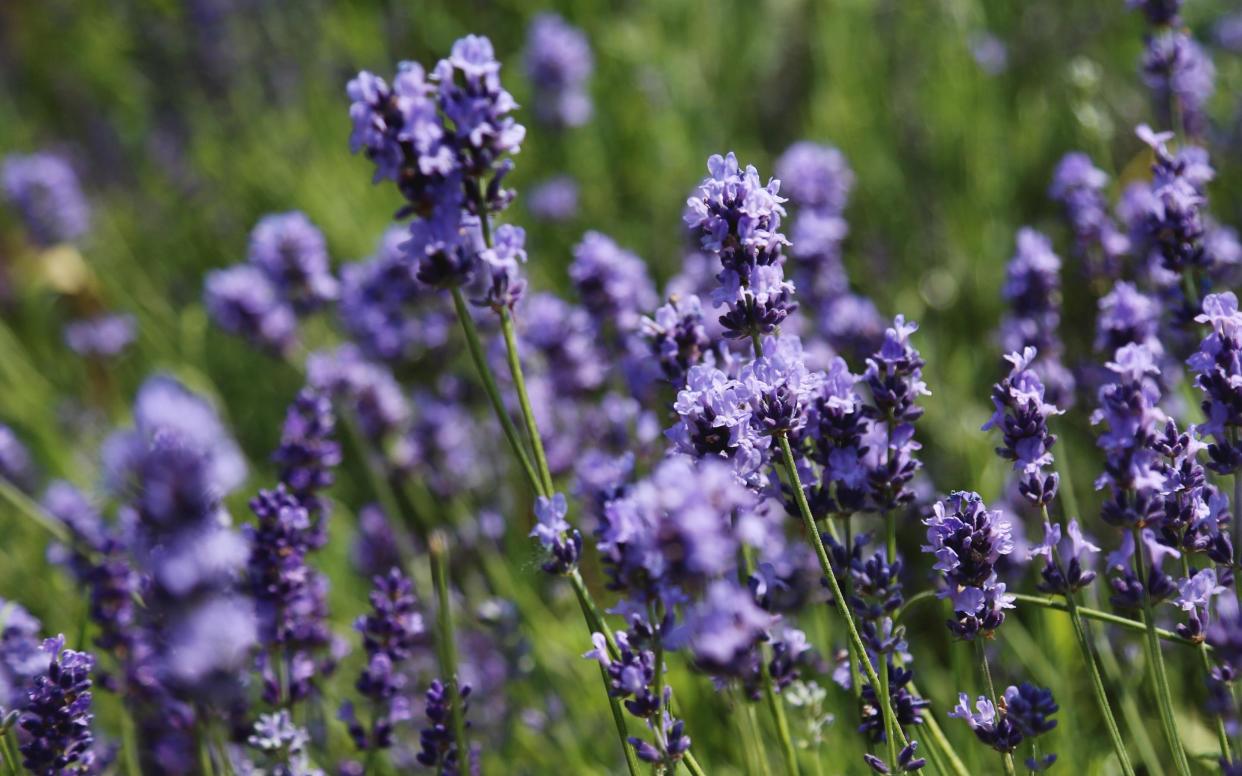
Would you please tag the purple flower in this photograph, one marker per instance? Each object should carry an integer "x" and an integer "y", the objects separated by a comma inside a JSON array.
[
  {"x": 438, "y": 744},
  {"x": 446, "y": 248},
  {"x": 894, "y": 377},
  {"x": 292, "y": 252},
  {"x": 1179, "y": 72},
  {"x": 816, "y": 177},
  {"x": 558, "y": 64},
  {"x": 21, "y": 659},
  {"x": 1065, "y": 559},
  {"x": 1033, "y": 291},
  {"x": 562, "y": 542},
  {"x": 723, "y": 629},
  {"x": 1128, "y": 405},
  {"x": 995, "y": 730},
  {"x": 308, "y": 452},
  {"x": 674, "y": 528},
  {"x": 241, "y": 300},
  {"x": 1022, "y": 416},
  {"x": 477, "y": 106},
  {"x": 714, "y": 414},
  {"x": 501, "y": 269},
  {"x": 736, "y": 216},
  {"x": 678, "y": 338},
  {"x": 780, "y": 386},
  {"x": 555, "y": 199},
  {"x": 611, "y": 282},
  {"x": 1218, "y": 374},
  {"x": 103, "y": 336},
  {"x": 1158, "y": 12},
  {"x": 57, "y": 717},
  {"x": 967, "y": 539},
  {"x": 1078, "y": 186},
  {"x": 390, "y": 634},
  {"x": 566, "y": 337},
  {"x": 280, "y": 746},
  {"x": 44, "y": 190},
  {"x": 758, "y": 299},
  {"x": 290, "y": 596},
  {"x": 16, "y": 465},
  {"x": 1127, "y": 316},
  {"x": 386, "y": 310},
  {"x": 371, "y": 391}
]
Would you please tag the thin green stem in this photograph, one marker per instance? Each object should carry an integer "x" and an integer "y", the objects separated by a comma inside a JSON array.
[
  {"x": 519, "y": 385},
  {"x": 692, "y": 764},
  {"x": 595, "y": 625},
  {"x": 749, "y": 731},
  {"x": 12, "y": 767},
  {"x": 890, "y": 740},
  {"x": 982, "y": 653},
  {"x": 437, "y": 547},
  {"x": 129, "y": 744},
  {"x": 493, "y": 392},
  {"x": 1160, "y": 679},
  {"x": 29, "y": 508},
  {"x": 1108, "y": 617},
  {"x": 1093, "y": 668},
  {"x": 1222, "y": 735},
  {"x": 851, "y": 655},
  {"x": 838, "y": 596},
  {"x": 775, "y": 706}
]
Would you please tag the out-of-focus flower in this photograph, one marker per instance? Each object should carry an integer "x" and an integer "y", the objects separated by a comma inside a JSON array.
[
  {"x": 44, "y": 190},
  {"x": 558, "y": 64}
]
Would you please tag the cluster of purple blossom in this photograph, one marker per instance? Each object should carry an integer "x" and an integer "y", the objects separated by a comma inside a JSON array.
[{"x": 717, "y": 539}]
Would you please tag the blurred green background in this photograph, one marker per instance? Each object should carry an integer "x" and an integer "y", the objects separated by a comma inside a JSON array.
[{"x": 188, "y": 120}]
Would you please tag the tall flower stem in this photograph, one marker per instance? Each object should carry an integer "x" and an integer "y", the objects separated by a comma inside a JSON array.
[
  {"x": 1093, "y": 668},
  {"x": 890, "y": 546},
  {"x": 437, "y": 547},
  {"x": 493, "y": 392},
  {"x": 982, "y": 653},
  {"x": 1108, "y": 617},
  {"x": 855, "y": 676},
  {"x": 838, "y": 598},
  {"x": 1222, "y": 735},
  {"x": 1160, "y": 678},
  {"x": 519, "y": 384}
]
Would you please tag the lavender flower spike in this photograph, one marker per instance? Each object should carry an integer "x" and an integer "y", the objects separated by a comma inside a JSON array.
[
  {"x": 1218, "y": 369},
  {"x": 57, "y": 717},
  {"x": 293, "y": 254},
  {"x": 1022, "y": 416},
  {"x": 44, "y": 190},
  {"x": 967, "y": 539}
]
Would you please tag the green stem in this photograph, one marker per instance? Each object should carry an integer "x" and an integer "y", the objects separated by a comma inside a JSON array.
[
  {"x": 1222, "y": 735},
  {"x": 838, "y": 597},
  {"x": 129, "y": 744},
  {"x": 1108, "y": 617},
  {"x": 11, "y": 766},
  {"x": 852, "y": 656},
  {"x": 769, "y": 691},
  {"x": 1159, "y": 678},
  {"x": 1093, "y": 668},
  {"x": 692, "y": 764},
  {"x": 437, "y": 547},
  {"x": 595, "y": 625},
  {"x": 519, "y": 385},
  {"x": 889, "y": 739},
  {"x": 29, "y": 508},
  {"x": 493, "y": 392},
  {"x": 752, "y": 739},
  {"x": 981, "y": 652}
]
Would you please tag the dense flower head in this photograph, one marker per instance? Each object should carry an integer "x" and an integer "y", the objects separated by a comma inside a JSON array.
[
  {"x": 477, "y": 106},
  {"x": 907, "y": 707},
  {"x": 442, "y": 442},
  {"x": 1078, "y": 186},
  {"x": 500, "y": 269},
  {"x": 1174, "y": 223},
  {"x": 21, "y": 658},
  {"x": 568, "y": 341},
  {"x": 757, "y": 299},
  {"x": 308, "y": 450},
  {"x": 242, "y": 301},
  {"x": 1129, "y": 406},
  {"x": 1177, "y": 69},
  {"x": 289, "y": 594},
  {"x": 102, "y": 336},
  {"x": 612, "y": 282},
  {"x": 723, "y": 630},
  {"x": 372, "y": 393},
  {"x": 815, "y": 176},
  {"x": 1033, "y": 292},
  {"x": 57, "y": 715},
  {"x": 279, "y": 747},
  {"x": 967, "y": 539},
  {"x": 293, "y": 254},
  {"x": 390, "y": 634},
  {"x": 838, "y": 427},
  {"x": 44, "y": 190},
  {"x": 780, "y": 386},
  {"x": 736, "y": 216},
  {"x": 1127, "y": 316},
  {"x": 907, "y": 761},
  {"x": 1021, "y": 413},
  {"x": 715, "y": 420},
  {"x": 678, "y": 337},
  {"x": 673, "y": 528},
  {"x": 894, "y": 379},
  {"x": 1218, "y": 374},
  {"x": 387, "y": 311},
  {"x": 1195, "y": 513},
  {"x": 558, "y": 64},
  {"x": 1025, "y": 713},
  {"x": 1065, "y": 557},
  {"x": 446, "y": 248},
  {"x": 438, "y": 744}
]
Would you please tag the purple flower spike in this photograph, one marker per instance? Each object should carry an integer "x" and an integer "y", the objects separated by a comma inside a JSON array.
[
  {"x": 293, "y": 254},
  {"x": 57, "y": 716},
  {"x": 44, "y": 190}
]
